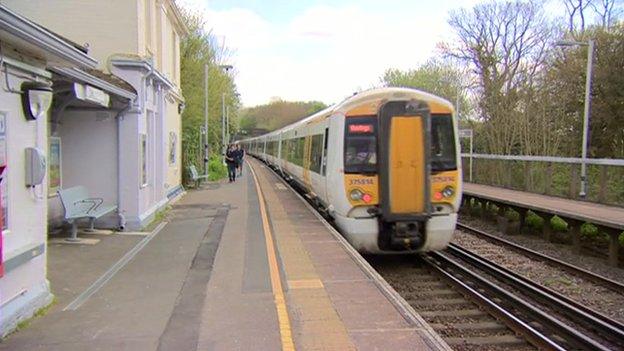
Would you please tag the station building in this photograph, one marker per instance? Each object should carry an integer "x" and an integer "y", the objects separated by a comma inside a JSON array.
[
  {"x": 126, "y": 151},
  {"x": 27, "y": 51},
  {"x": 108, "y": 118}
]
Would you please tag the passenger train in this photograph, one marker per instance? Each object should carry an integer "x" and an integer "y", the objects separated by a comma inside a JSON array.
[{"x": 384, "y": 165}]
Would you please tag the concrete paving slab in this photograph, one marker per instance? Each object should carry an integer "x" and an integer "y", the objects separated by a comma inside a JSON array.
[
  {"x": 78, "y": 241},
  {"x": 132, "y": 310}
]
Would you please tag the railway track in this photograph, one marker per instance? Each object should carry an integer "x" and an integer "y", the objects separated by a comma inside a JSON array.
[
  {"x": 489, "y": 307},
  {"x": 565, "y": 321},
  {"x": 463, "y": 316},
  {"x": 583, "y": 273}
]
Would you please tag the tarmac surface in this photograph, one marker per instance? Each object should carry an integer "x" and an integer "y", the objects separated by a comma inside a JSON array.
[{"x": 236, "y": 266}]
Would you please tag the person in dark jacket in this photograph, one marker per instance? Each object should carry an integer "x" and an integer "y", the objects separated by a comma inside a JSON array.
[
  {"x": 230, "y": 160},
  {"x": 239, "y": 159}
]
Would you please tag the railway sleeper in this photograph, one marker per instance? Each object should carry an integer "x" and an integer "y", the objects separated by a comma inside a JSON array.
[
  {"x": 502, "y": 340},
  {"x": 481, "y": 326},
  {"x": 473, "y": 312}
]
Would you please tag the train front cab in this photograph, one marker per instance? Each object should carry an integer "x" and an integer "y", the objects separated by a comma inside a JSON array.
[{"x": 414, "y": 183}]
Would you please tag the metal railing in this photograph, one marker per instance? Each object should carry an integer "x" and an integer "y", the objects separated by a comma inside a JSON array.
[{"x": 557, "y": 176}]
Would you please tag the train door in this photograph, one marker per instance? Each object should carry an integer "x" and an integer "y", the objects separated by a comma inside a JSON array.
[
  {"x": 307, "y": 162},
  {"x": 404, "y": 170},
  {"x": 323, "y": 195}
]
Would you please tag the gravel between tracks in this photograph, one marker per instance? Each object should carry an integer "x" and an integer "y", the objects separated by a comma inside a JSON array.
[
  {"x": 402, "y": 273},
  {"x": 588, "y": 293}
]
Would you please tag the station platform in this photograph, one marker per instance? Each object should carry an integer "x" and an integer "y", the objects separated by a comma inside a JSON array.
[
  {"x": 236, "y": 266},
  {"x": 608, "y": 216},
  {"x": 609, "y": 219}
]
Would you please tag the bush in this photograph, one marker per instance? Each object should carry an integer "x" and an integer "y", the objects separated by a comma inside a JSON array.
[
  {"x": 534, "y": 221},
  {"x": 590, "y": 231},
  {"x": 216, "y": 169},
  {"x": 621, "y": 239},
  {"x": 558, "y": 224}
]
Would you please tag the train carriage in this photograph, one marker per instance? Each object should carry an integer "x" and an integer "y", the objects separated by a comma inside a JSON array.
[{"x": 384, "y": 164}]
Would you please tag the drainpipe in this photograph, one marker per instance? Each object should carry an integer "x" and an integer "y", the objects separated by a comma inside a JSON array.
[{"x": 119, "y": 117}]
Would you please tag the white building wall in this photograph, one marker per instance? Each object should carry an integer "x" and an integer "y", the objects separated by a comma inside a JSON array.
[
  {"x": 89, "y": 158},
  {"x": 24, "y": 289}
]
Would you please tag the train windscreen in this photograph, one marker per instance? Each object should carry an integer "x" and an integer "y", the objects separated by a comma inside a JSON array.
[
  {"x": 360, "y": 145},
  {"x": 443, "y": 157}
]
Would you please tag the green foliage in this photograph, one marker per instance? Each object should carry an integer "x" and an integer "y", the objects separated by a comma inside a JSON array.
[
  {"x": 278, "y": 114},
  {"x": 558, "y": 224},
  {"x": 39, "y": 313},
  {"x": 437, "y": 77},
  {"x": 566, "y": 78},
  {"x": 590, "y": 231},
  {"x": 621, "y": 239},
  {"x": 534, "y": 221},
  {"x": 216, "y": 169},
  {"x": 197, "y": 50}
]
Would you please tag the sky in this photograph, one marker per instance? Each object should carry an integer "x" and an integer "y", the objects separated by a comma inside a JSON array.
[{"x": 304, "y": 50}]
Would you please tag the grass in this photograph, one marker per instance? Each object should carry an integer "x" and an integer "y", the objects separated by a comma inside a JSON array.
[
  {"x": 158, "y": 218},
  {"x": 39, "y": 313}
]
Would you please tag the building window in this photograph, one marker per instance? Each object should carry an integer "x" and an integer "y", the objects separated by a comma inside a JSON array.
[
  {"x": 148, "y": 23},
  {"x": 174, "y": 52},
  {"x": 4, "y": 174},
  {"x": 143, "y": 150},
  {"x": 54, "y": 165},
  {"x": 173, "y": 147}
]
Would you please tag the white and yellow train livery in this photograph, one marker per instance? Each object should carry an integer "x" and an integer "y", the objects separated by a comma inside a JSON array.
[{"x": 384, "y": 164}]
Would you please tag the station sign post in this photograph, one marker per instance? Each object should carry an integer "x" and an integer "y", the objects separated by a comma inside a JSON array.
[{"x": 467, "y": 133}]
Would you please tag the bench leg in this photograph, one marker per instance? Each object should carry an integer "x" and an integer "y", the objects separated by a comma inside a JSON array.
[
  {"x": 91, "y": 225},
  {"x": 74, "y": 232}
]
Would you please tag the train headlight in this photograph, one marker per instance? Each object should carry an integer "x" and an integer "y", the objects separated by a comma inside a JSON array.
[
  {"x": 356, "y": 194},
  {"x": 448, "y": 191},
  {"x": 367, "y": 198}
]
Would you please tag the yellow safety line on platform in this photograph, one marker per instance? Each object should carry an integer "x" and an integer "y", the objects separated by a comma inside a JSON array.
[{"x": 276, "y": 281}]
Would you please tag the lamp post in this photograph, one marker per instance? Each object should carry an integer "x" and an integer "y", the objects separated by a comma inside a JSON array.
[
  {"x": 223, "y": 141},
  {"x": 590, "y": 62},
  {"x": 205, "y": 119}
]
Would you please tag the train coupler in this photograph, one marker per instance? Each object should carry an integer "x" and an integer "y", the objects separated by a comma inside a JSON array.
[{"x": 406, "y": 236}]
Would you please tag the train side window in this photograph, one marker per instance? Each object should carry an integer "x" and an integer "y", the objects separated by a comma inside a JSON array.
[
  {"x": 316, "y": 154},
  {"x": 324, "y": 159}
]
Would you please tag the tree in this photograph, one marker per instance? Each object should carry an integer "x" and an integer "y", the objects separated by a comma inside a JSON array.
[
  {"x": 197, "y": 50},
  {"x": 567, "y": 85},
  {"x": 436, "y": 77},
  {"x": 576, "y": 8},
  {"x": 279, "y": 113},
  {"x": 505, "y": 45}
]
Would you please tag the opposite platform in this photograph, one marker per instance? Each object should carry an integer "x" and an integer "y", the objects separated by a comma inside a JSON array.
[{"x": 608, "y": 216}]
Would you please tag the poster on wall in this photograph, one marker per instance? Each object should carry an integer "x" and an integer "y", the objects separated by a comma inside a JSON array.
[
  {"x": 173, "y": 147},
  {"x": 3, "y": 175},
  {"x": 54, "y": 165},
  {"x": 143, "y": 146},
  {"x": 3, "y": 188}
]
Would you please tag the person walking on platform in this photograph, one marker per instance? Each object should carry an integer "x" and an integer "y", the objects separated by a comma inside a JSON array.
[
  {"x": 230, "y": 160},
  {"x": 239, "y": 160}
]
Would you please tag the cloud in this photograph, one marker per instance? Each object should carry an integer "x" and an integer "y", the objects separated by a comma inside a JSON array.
[{"x": 323, "y": 52}]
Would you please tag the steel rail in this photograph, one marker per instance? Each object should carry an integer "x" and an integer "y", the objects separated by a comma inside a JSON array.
[
  {"x": 534, "y": 337},
  {"x": 580, "y": 314},
  {"x": 608, "y": 283},
  {"x": 547, "y": 321}
]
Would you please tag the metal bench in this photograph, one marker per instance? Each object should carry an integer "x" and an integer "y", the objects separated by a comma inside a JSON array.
[
  {"x": 78, "y": 204},
  {"x": 195, "y": 176}
]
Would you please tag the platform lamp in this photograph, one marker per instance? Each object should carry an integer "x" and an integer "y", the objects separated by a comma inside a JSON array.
[
  {"x": 36, "y": 99},
  {"x": 586, "y": 115}
]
